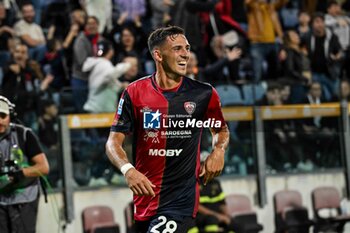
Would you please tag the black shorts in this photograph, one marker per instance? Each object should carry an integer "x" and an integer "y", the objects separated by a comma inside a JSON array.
[{"x": 165, "y": 224}]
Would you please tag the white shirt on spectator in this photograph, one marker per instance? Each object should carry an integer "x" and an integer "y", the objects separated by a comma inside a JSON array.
[
  {"x": 104, "y": 84},
  {"x": 342, "y": 31}
]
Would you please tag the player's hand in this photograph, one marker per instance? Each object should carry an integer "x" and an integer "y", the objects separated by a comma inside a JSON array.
[
  {"x": 213, "y": 165},
  {"x": 139, "y": 184},
  {"x": 223, "y": 218}
]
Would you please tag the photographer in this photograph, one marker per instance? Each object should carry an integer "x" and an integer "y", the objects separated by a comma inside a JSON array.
[{"x": 21, "y": 163}]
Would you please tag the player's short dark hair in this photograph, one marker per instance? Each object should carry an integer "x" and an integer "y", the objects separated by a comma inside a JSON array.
[{"x": 158, "y": 37}]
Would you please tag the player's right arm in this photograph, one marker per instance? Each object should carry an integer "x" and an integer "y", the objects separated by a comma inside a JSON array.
[{"x": 137, "y": 182}]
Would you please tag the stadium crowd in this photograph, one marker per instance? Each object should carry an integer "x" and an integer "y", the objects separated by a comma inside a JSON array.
[{"x": 290, "y": 51}]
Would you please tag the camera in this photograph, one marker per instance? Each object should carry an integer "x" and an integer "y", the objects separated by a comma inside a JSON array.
[{"x": 6, "y": 167}]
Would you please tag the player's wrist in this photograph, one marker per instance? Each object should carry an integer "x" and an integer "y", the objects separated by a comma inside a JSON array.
[
  {"x": 219, "y": 148},
  {"x": 125, "y": 168}
]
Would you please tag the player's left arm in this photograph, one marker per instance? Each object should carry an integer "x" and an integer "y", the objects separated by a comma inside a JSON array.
[{"x": 214, "y": 164}]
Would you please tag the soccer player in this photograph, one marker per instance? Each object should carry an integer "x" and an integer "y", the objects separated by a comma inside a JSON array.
[{"x": 166, "y": 112}]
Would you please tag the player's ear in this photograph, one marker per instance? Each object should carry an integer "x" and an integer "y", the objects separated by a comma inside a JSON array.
[{"x": 157, "y": 55}]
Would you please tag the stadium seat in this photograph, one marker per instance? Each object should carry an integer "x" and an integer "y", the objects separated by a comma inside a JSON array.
[
  {"x": 290, "y": 214},
  {"x": 230, "y": 95},
  {"x": 239, "y": 207},
  {"x": 248, "y": 94},
  {"x": 99, "y": 219},
  {"x": 129, "y": 218},
  {"x": 328, "y": 198}
]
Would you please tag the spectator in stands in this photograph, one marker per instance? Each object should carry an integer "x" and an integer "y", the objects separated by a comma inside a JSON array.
[
  {"x": 289, "y": 127},
  {"x": 85, "y": 45},
  {"x": 55, "y": 15},
  {"x": 6, "y": 32},
  {"x": 101, "y": 10},
  {"x": 186, "y": 14},
  {"x": 303, "y": 28},
  {"x": 312, "y": 6},
  {"x": 339, "y": 23},
  {"x": 297, "y": 64},
  {"x": 77, "y": 23},
  {"x": 160, "y": 12},
  {"x": 264, "y": 29},
  {"x": 317, "y": 133},
  {"x": 276, "y": 156},
  {"x": 222, "y": 69},
  {"x": 325, "y": 54},
  {"x": 48, "y": 136},
  {"x": 78, "y": 19},
  {"x": 129, "y": 40},
  {"x": 133, "y": 73},
  {"x": 289, "y": 15},
  {"x": 131, "y": 10},
  {"x": 31, "y": 33},
  {"x": 54, "y": 64},
  {"x": 279, "y": 134},
  {"x": 47, "y": 119},
  {"x": 239, "y": 13},
  {"x": 272, "y": 95},
  {"x": 103, "y": 79},
  {"x": 296, "y": 67},
  {"x": 223, "y": 21},
  {"x": 192, "y": 70},
  {"x": 23, "y": 83},
  {"x": 344, "y": 91},
  {"x": 285, "y": 91}
]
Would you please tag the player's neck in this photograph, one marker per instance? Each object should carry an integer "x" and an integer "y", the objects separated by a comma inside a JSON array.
[{"x": 165, "y": 81}]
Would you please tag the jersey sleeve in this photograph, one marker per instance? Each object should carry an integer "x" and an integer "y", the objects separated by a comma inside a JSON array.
[
  {"x": 214, "y": 109},
  {"x": 123, "y": 119}
]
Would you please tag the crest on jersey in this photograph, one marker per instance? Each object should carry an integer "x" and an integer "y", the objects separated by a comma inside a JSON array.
[{"x": 190, "y": 107}]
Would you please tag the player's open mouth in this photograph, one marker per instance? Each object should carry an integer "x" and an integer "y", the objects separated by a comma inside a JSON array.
[{"x": 182, "y": 63}]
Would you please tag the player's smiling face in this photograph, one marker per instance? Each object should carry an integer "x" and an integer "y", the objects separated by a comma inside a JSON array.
[{"x": 175, "y": 55}]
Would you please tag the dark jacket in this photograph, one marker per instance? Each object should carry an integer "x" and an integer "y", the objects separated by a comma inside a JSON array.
[
  {"x": 331, "y": 46},
  {"x": 294, "y": 65}
]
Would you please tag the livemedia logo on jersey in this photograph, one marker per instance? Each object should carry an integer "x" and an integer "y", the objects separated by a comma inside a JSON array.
[{"x": 154, "y": 120}]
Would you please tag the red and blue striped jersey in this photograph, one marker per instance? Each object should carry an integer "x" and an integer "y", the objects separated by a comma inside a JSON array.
[{"x": 167, "y": 128}]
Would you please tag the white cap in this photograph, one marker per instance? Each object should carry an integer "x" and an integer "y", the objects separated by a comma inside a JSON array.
[{"x": 4, "y": 107}]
